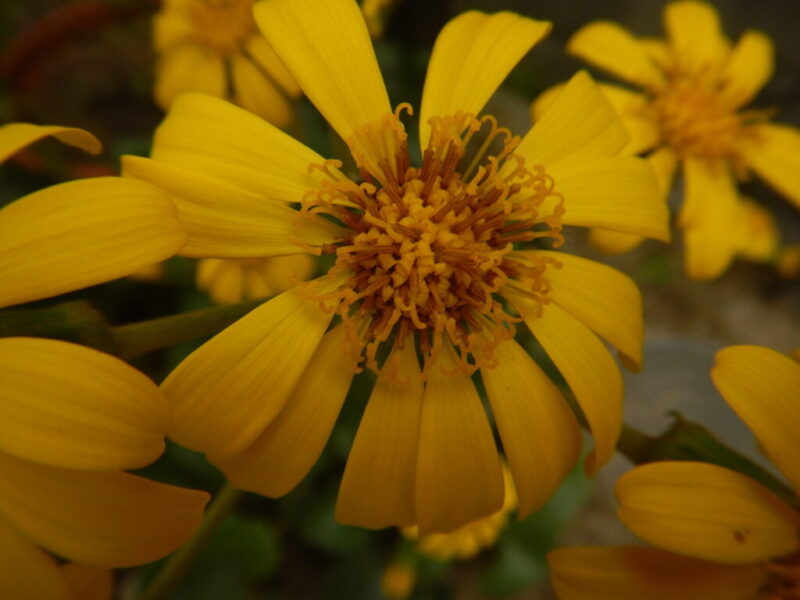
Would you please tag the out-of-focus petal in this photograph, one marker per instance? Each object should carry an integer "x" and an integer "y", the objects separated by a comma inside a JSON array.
[
  {"x": 695, "y": 37},
  {"x": 26, "y": 571},
  {"x": 611, "y": 48},
  {"x": 706, "y": 511},
  {"x": 773, "y": 152},
  {"x": 253, "y": 91},
  {"x": 763, "y": 387},
  {"x": 635, "y": 573},
  {"x": 16, "y": 136},
  {"x": 749, "y": 67},
  {"x": 188, "y": 68}
]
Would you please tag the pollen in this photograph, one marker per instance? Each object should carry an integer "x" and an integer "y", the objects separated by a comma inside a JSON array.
[
  {"x": 430, "y": 247},
  {"x": 223, "y": 24}
]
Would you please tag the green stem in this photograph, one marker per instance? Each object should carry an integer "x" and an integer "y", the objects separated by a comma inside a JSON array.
[
  {"x": 79, "y": 322},
  {"x": 137, "y": 339},
  {"x": 181, "y": 561}
]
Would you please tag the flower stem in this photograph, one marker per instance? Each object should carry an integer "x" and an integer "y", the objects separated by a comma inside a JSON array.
[{"x": 181, "y": 561}]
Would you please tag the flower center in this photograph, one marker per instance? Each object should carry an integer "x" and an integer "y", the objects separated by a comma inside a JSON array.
[
  {"x": 785, "y": 581},
  {"x": 694, "y": 120},
  {"x": 430, "y": 247},
  {"x": 223, "y": 24}
]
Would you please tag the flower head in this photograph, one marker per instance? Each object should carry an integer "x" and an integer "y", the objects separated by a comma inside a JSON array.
[
  {"x": 201, "y": 42},
  {"x": 695, "y": 85},
  {"x": 234, "y": 280},
  {"x": 433, "y": 270},
  {"x": 718, "y": 533}
]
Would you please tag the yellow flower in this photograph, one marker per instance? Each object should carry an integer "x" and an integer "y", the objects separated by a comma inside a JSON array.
[
  {"x": 719, "y": 534},
  {"x": 73, "y": 419},
  {"x": 424, "y": 264},
  {"x": 376, "y": 12},
  {"x": 398, "y": 580},
  {"x": 64, "y": 237},
  {"x": 214, "y": 46},
  {"x": 467, "y": 541},
  {"x": 694, "y": 84},
  {"x": 234, "y": 280}
]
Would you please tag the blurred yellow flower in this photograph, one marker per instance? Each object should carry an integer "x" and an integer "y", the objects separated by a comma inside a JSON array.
[
  {"x": 694, "y": 84},
  {"x": 376, "y": 12},
  {"x": 236, "y": 279},
  {"x": 718, "y": 533},
  {"x": 64, "y": 238},
  {"x": 73, "y": 419},
  {"x": 398, "y": 580},
  {"x": 424, "y": 264},
  {"x": 470, "y": 539},
  {"x": 214, "y": 46}
]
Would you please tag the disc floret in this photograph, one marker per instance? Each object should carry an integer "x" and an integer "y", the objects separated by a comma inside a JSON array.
[{"x": 430, "y": 247}]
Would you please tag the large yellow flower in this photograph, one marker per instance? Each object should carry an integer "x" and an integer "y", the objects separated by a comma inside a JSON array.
[
  {"x": 719, "y": 534},
  {"x": 695, "y": 84},
  {"x": 425, "y": 266},
  {"x": 214, "y": 46},
  {"x": 81, "y": 233}
]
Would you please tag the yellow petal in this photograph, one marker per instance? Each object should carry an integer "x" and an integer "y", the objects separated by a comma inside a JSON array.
[
  {"x": 88, "y": 583},
  {"x": 459, "y": 478},
  {"x": 695, "y": 37},
  {"x": 263, "y": 54},
  {"x": 171, "y": 28},
  {"x": 599, "y": 296},
  {"x": 226, "y": 392},
  {"x": 377, "y": 488},
  {"x": 188, "y": 68},
  {"x": 227, "y": 221},
  {"x": 758, "y": 237},
  {"x": 587, "y": 366},
  {"x": 620, "y": 194},
  {"x": 331, "y": 57},
  {"x": 258, "y": 94},
  {"x": 541, "y": 438},
  {"x": 70, "y": 406},
  {"x": 749, "y": 67},
  {"x": 64, "y": 237},
  {"x": 215, "y": 138},
  {"x": 642, "y": 129},
  {"x": 664, "y": 162},
  {"x": 613, "y": 242},
  {"x": 708, "y": 512},
  {"x": 222, "y": 279},
  {"x": 108, "y": 519},
  {"x": 281, "y": 456},
  {"x": 581, "y": 125},
  {"x": 27, "y": 572},
  {"x": 16, "y": 136},
  {"x": 634, "y": 573},
  {"x": 708, "y": 217},
  {"x": 774, "y": 153},
  {"x": 472, "y": 56},
  {"x": 763, "y": 386},
  {"x": 610, "y": 47}
]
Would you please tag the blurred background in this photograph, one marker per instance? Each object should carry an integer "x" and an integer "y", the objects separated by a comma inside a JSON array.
[{"x": 90, "y": 64}]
